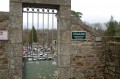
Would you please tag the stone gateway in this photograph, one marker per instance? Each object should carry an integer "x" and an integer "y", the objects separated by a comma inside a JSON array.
[{"x": 79, "y": 59}]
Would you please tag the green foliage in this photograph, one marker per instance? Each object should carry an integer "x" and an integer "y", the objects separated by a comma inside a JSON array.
[
  {"x": 76, "y": 14},
  {"x": 33, "y": 36},
  {"x": 118, "y": 30},
  {"x": 113, "y": 28}
]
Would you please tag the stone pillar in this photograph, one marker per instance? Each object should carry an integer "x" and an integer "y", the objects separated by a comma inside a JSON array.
[
  {"x": 64, "y": 41},
  {"x": 15, "y": 40},
  {"x": 64, "y": 38}
]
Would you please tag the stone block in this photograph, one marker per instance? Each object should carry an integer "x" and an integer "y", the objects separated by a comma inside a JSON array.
[
  {"x": 16, "y": 53},
  {"x": 11, "y": 67},
  {"x": 11, "y": 74},
  {"x": 112, "y": 73},
  {"x": 54, "y": 2},
  {"x": 15, "y": 50},
  {"x": 64, "y": 73},
  {"x": 28, "y": 1},
  {"x": 15, "y": 0},
  {"x": 77, "y": 73},
  {"x": 64, "y": 61},
  {"x": 11, "y": 60},
  {"x": 18, "y": 72},
  {"x": 3, "y": 66},
  {"x": 65, "y": 37},
  {"x": 15, "y": 22},
  {"x": 64, "y": 2},
  {"x": 117, "y": 75},
  {"x": 15, "y": 36},
  {"x": 10, "y": 53},
  {"x": 117, "y": 61},
  {"x": 5, "y": 53},
  {"x": 4, "y": 74},
  {"x": 5, "y": 60},
  {"x": 73, "y": 42},
  {"x": 98, "y": 39},
  {"x": 15, "y": 46},
  {"x": 65, "y": 11},
  {"x": 111, "y": 68},
  {"x": 68, "y": 2},
  {"x": 65, "y": 49},
  {"x": 15, "y": 9},
  {"x": 117, "y": 69},
  {"x": 18, "y": 62},
  {"x": 76, "y": 28},
  {"x": 74, "y": 49},
  {"x": 83, "y": 61},
  {"x": 77, "y": 61},
  {"x": 64, "y": 24},
  {"x": 15, "y": 62}
]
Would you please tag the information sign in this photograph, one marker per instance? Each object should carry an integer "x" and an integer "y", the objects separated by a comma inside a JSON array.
[
  {"x": 78, "y": 35},
  {"x": 3, "y": 34}
]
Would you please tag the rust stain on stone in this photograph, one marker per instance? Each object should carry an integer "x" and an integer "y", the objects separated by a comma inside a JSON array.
[
  {"x": 5, "y": 61},
  {"x": 79, "y": 63},
  {"x": 87, "y": 63}
]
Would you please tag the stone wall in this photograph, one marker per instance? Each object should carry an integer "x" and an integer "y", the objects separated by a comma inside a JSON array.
[
  {"x": 3, "y": 60},
  {"x": 112, "y": 57},
  {"x": 81, "y": 59},
  {"x": 4, "y": 17}
]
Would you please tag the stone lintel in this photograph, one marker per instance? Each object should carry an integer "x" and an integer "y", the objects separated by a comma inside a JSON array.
[{"x": 53, "y": 2}]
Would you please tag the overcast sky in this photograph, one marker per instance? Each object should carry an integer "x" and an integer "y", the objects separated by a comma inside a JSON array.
[
  {"x": 97, "y": 10},
  {"x": 93, "y": 10}
]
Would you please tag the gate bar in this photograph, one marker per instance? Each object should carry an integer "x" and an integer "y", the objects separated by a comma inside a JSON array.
[
  {"x": 48, "y": 26},
  {"x": 43, "y": 28},
  {"x": 32, "y": 30},
  {"x": 37, "y": 30},
  {"x": 52, "y": 24},
  {"x": 27, "y": 31}
]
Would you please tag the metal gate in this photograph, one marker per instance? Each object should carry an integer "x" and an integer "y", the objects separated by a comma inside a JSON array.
[{"x": 39, "y": 41}]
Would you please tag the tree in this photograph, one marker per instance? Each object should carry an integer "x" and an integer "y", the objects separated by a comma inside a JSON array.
[
  {"x": 33, "y": 36},
  {"x": 112, "y": 28},
  {"x": 98, "y": 27},
  {"x": 76, "y": 14},
  {"x": 118, "y": 29}
]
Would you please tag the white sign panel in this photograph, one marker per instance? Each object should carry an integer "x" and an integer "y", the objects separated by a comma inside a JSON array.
[
  {"x": 3, "y": 34},
  {"x": 98, "y": 39}
]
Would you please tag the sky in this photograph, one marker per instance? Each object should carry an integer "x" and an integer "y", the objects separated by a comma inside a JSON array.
[
  {"x": 97, "y": 10},
  {"x": 94, "y": 11}
]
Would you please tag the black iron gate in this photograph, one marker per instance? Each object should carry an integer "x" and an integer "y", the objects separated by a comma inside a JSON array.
[{"x": 39, "y": 41}]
